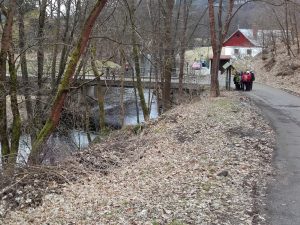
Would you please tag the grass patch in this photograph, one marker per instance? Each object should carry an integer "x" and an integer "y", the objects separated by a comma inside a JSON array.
[
  {"x": 176, "y": 222},
  {"x": 224, "y": 103}
]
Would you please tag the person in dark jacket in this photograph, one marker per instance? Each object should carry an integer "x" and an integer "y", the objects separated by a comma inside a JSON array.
[
  {"x": 252, "y": 79},
  {"x": 237, "y": 81},
  {"x": 241, "y": 83}
]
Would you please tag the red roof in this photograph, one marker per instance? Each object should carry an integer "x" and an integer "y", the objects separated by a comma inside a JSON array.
[{"x": 239, "y": 39}]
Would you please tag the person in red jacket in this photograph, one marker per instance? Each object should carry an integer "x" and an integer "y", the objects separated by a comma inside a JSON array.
[{"x": 246, "y": 80}]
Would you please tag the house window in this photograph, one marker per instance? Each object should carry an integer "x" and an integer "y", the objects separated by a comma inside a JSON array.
[
  {"x": 236, "y": 51},
  {"x": 249, "y": 51}
]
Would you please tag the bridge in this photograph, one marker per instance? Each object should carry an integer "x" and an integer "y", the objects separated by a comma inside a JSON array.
[{"x": 190, "y": 82}]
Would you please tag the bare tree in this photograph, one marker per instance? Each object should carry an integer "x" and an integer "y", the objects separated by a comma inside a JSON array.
[
  {"x": 287, "y": 32},
  {"x": 183, "y": 41},
  {"x": 168, "y": 53},
  {"x": 136, "y": 58},
  {"x": 16, "y": 124},
  {"x": 6, "y": 41},
  {"x": 219, "y": 25},
  {"x": 284, "y": 28},
  {"x": 40, "y": 63},
  {"x": 23, "y": 62},
  {"x": 57, "y": 38},
  {"x": 295, "y": 24},
  {"x": 64, "y": 86},
  {"x": 99, "y": 90}
]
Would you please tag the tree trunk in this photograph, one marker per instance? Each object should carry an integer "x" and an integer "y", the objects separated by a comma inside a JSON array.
[
  {"x": 168, "y": 57},
  {"x": 155, "y": 15},
  {"x": 139, "y": 84},
  {"x": 63, "y": 88},
  {"x": 135, "y": 52},
  {"x": 68, "y": 36},
  {"x": 99, "y": 92},
  {"x": 64, "y": 56},
  {"x": 101, "y": 106},
  {"x": 214, "y": 87},
  {"x": 274, "y": 45},
  {"x": 214, "y": 82},
  {"x": 296, "y": 30},
  {"x": 183, "y": 46},
  {"x": 40, "y": 64},
  {"x": 85, "y": 103},
  {"x": 136, "y": 98},
  {"x": 24, "y": 70},
  {"x": 181, "y": 70},
  {"x": 292, "y": 26},
  {"x": 288, "y": 44},
  {"x": 55, "y": 50},
  {"x": 218, "y": 32},
  {"x": 5, "y": 43},
  {"x": 123, "y": 71},
  {"x": 16, "y": 125},
  {"x": 80, "y": 67}
]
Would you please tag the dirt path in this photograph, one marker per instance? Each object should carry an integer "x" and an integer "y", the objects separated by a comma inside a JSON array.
[
  {"x": 283, "y": 110},
  {"x": 206, "y": 162}
]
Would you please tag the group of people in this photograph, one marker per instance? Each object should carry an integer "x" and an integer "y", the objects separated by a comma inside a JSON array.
[{"x": 244, "y": 80}]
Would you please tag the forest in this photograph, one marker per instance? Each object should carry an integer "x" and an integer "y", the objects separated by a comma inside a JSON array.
[{"x": 53, "y": 52}]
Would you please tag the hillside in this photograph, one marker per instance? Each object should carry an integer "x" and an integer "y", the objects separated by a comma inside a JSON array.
[
  {"x": 200, "y": 163},
  {"x": 281, "y": 71}
]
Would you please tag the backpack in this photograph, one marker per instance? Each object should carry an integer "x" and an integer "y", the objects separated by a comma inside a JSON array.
[
  {"x": 237, "y": 78},
  {"x": 246, "y": 77},
  {"x": 252, "y": 76}
]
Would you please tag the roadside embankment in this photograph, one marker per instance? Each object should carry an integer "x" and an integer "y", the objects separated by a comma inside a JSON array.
[{"x": 206, "y": 162}]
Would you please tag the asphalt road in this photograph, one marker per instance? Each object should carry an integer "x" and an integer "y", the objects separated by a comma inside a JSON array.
[{"x": 283, "y": 110}]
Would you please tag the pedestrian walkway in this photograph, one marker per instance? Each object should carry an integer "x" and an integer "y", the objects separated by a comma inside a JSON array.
[{"x": 283, "y": 110}]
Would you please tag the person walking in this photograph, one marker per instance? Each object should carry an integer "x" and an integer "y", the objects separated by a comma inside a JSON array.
[
  {"x": 237, "y": 81},
  {"x": 241, "y": 81},
  {"x": 246, "y": 80},
  {"x": 252, "y": 79}
]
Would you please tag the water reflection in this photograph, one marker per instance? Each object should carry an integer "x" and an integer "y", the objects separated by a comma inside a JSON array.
[
  {"x": 113, "y": 106},
  {"x": 59, "y": 144}
]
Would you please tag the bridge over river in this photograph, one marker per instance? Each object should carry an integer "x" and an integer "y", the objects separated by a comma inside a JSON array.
[{"x": 190, "y": 82}]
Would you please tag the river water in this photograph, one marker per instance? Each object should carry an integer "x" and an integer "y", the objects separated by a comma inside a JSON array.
[
  {"x": 78, "y": 139},
  {"x": 113, "y": 108}
]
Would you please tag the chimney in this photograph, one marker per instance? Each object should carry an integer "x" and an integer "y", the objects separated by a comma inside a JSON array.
[{"x": 254, "y": 31}]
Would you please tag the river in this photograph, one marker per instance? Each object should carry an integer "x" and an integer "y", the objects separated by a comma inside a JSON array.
[{"x": 74, "y": 139}]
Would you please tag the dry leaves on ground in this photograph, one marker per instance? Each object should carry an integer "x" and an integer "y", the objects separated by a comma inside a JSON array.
[
  {"x": 280, "y": 72},
  {"x": 201, "y": 163}
]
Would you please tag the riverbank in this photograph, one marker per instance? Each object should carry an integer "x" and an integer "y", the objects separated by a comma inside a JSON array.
[{"x": 206, "y": 162}]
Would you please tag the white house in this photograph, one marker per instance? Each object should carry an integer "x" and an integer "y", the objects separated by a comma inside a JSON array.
[
  {"x": 250, "y": 42},
  {"x": 241, "y": 43}
]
